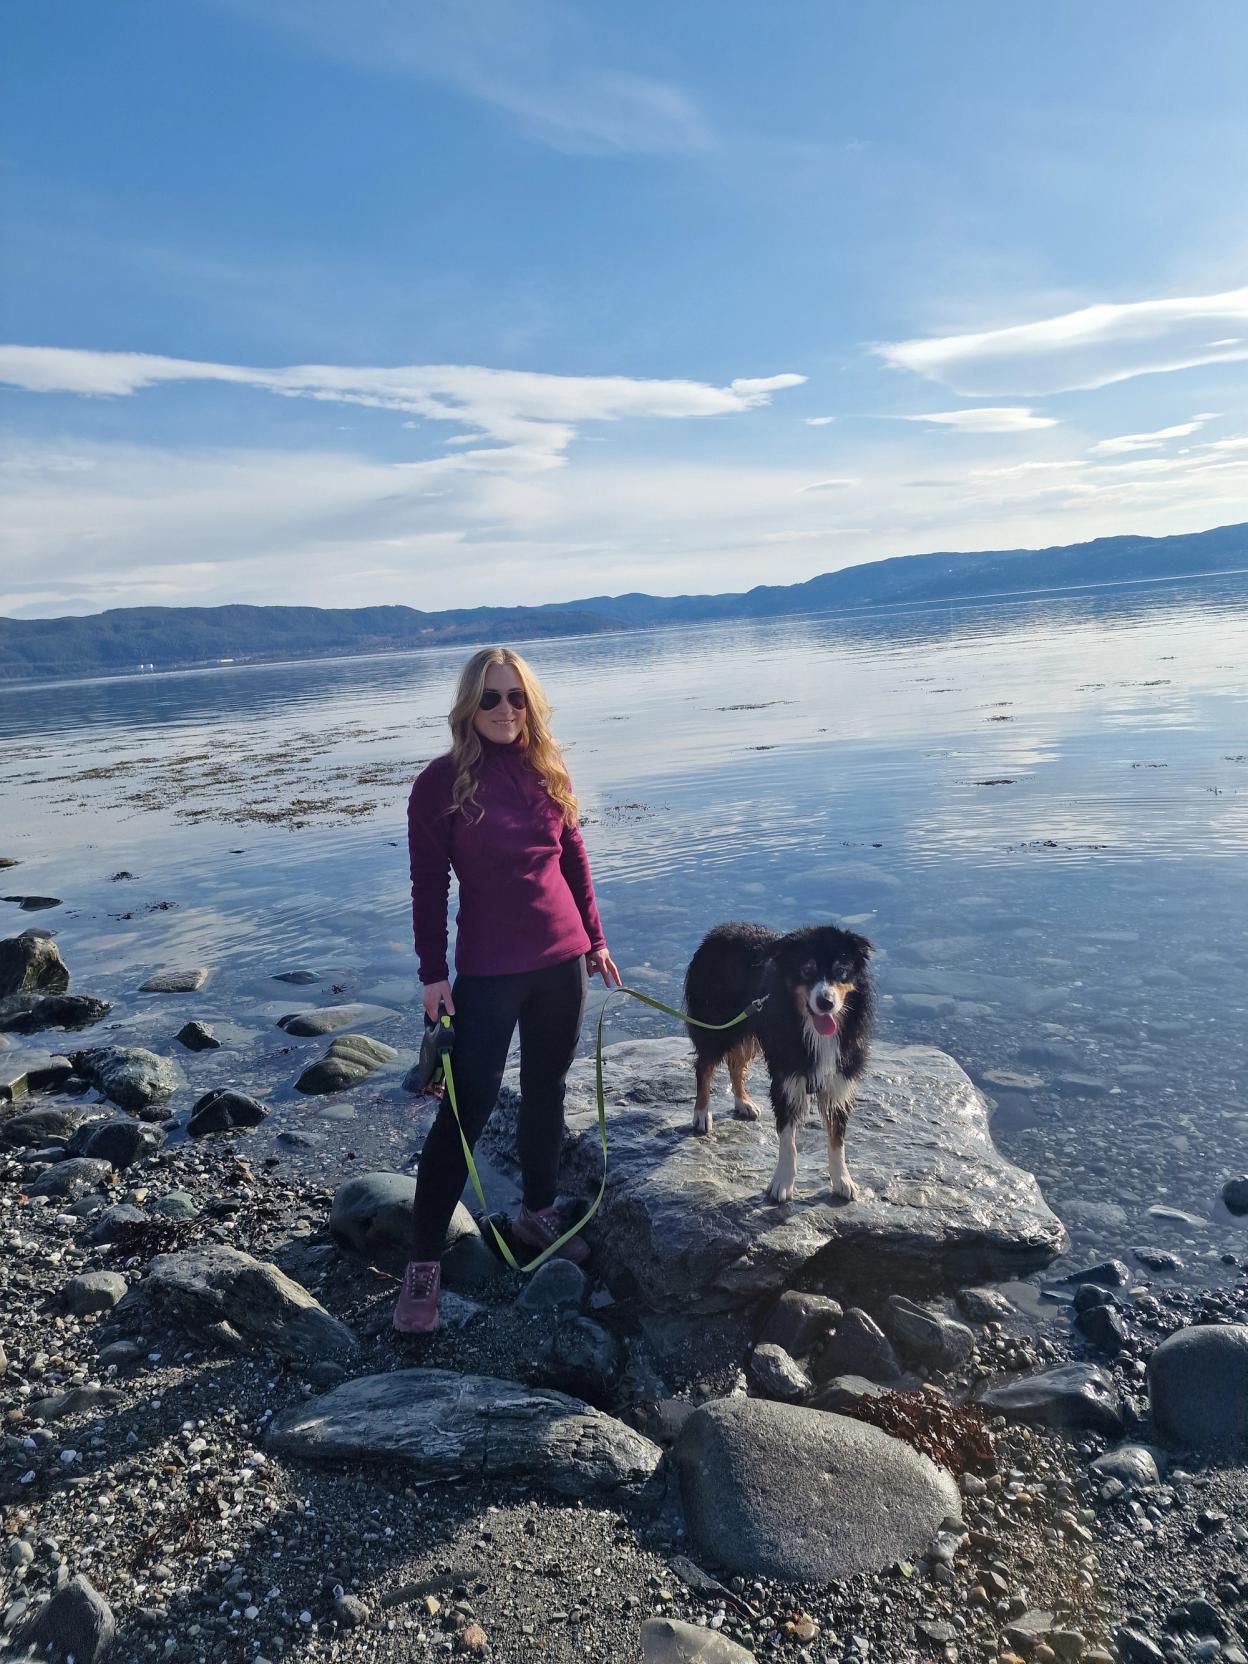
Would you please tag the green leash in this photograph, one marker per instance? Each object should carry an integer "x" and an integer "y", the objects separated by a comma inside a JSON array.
[{"x": 585, "y": 1218}]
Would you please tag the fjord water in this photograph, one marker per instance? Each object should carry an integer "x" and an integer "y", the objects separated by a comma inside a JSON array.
[{"x": 1037, "y": 809}]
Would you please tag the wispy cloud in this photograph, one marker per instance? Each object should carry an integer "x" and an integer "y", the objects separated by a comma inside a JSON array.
[
  {"x": 987, "y": 419},
  {"x": 1089, "y": 348},
  {"x": 537, "y": 60},
  {"x": 842, "y": 484},
  {"x": 1150, "y": 441},
  {"x": 819, "y": 421},
  {"x": 531, "y": 417}
]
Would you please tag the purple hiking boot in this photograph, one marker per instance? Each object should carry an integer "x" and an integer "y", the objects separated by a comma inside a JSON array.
[
  {"x": 416, "y": 1312},
  {"x": 540, "y": 1229}
]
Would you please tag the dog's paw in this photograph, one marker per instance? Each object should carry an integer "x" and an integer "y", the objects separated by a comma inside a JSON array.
[
  {"x": 843, "y": 1187},
  {"x": 703, "y": 1122},
  {"x": 781, "y": 1189},
  {"x": 744, "y": 1109}
]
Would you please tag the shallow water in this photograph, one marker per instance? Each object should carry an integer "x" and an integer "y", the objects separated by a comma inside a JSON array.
[{"x": 1038, "y": 810}]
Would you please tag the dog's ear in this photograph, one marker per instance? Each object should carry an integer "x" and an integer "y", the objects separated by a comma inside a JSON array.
[{"x": 862, "y": 946}]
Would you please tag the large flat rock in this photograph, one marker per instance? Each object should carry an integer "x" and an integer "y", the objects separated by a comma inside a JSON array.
[
  {"x": 439, "y": 1425},
  {"x": 685, "y": 1220}
]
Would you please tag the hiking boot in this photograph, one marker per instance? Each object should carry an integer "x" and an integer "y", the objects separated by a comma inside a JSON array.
[
  {"x": 540, "y": 1229},
  {"x": 416, "y": 1312}
]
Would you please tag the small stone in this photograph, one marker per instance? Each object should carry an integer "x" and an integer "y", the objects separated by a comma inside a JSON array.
[
  {"x": 774, "y": 1374},
  {"x": 1134, "y": 1645},
  {"x": 556, "y": 1286},
  {"x": 350, "y": 1611},
  {"x": 94, "y": 1291},
  {"x": 472, "y": 1639},
  {"x": 197, "y": 1037},
  {"x": 175, "y": 982}
]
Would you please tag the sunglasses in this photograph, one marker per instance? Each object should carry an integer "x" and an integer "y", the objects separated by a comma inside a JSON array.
[{"x": 492, "y": 697}]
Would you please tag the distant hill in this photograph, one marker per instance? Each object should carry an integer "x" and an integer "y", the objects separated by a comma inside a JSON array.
[{"x": 168, "y": 638}]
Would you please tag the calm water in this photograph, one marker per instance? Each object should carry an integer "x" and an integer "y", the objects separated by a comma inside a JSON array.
[{"x": 1037, "y": 809}]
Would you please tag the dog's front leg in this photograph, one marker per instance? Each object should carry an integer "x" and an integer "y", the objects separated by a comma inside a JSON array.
[
  {"x": 834, "y": 1107},
  {"x": 703, "y": 1120},
  {"x": 789, "y": 1105}
]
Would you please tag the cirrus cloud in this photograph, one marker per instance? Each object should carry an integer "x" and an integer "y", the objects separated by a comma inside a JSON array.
[{"x": 987, "y": 419}]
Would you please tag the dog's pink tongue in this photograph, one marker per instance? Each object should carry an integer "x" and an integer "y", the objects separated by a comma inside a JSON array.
[{"x": 825, "y": 1025}]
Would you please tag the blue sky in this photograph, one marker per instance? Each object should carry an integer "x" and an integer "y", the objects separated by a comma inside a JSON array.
[{"x": 347, "y": 301}]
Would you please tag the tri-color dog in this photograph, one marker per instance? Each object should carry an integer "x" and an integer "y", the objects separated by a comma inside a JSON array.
[{"x": 809, "y": 1005}]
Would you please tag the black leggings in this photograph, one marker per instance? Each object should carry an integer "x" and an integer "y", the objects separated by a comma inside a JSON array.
[{"x": 549, "y": 1005}]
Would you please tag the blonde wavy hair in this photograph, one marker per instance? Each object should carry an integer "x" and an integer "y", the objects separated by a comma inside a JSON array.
[{"x": 536, "y": 739}]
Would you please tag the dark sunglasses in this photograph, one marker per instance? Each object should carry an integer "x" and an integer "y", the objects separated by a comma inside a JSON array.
[{"x": 492, "y": 697}]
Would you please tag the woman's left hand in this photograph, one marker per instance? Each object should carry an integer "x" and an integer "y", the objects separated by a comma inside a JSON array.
[{"x": 601, "y": 964}]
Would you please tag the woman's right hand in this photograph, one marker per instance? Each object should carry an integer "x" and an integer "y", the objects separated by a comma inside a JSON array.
[{"x": 432, "y": 992}]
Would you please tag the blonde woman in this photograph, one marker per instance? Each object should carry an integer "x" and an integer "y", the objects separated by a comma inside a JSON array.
[{"x": 498, "y": 811}]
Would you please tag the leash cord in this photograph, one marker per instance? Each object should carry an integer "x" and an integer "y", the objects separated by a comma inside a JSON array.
[{"x": 554, "y": 1247}]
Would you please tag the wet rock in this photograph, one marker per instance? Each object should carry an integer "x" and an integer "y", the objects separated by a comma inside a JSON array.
[
  {"x": 131, "y": 1076},
  {"x": 858, "y": 1347},
  {"x": 75, "y": 1625},
  {"x": 1235, "y": 1196},
  {"x": 776, "y": 1491},
  {"x": 69, "y": 1180},
  {"x": 31, "y": 964},
  {"x": 23, "y": 1071},
  {"x": 440, "y": 1425},
  {"x": 328, "y": 1019},
  {"x": 774, "y": 1374},
  {"x": 32, "y": 1013},
  {"x": 1105, "y": 1274},
  {"x": 557, "y": 1286},
  {"x": 299, "y": 979},
  {"x": 800, "y": 1322},
  {"x": 1103, "y": 1327},
  {"x": 242, "y": 1301},
  {"x": 223, "y": 1110},
  {"x": 1133, "y": 1465},
  {"x": 669, "y": 1641},
  {"x": 926, "y": 1337},
  {"x": 1068, "y": 1396},
  {"x": 94, "y": 1291},
  {"x": 685, "y": 1220},
  {"x": 845, "y": 1392},
  {"x": 34, "y": 904},
  {"x": 983, "y": 1305},
  {"x": 1198, "y": 1386},
  {"x": 175, "y": 982},
  {"x": 350, "y": 1059},
  {"x": 1158, "y": 1259},
  {"x": 38, "y": 1127},
  {"x": 121, "y": 1142},
  {"x": 197, "y": 1037}
]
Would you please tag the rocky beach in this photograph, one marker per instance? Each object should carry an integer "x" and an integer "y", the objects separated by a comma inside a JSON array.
[{"x": 914, "y": 1426}]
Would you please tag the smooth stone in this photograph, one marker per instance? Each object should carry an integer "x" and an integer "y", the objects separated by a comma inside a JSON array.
[
  {"x": 1235, "y": 1196},
  {"x": 77, "y": 1623},
  {"x": 685, "y": 1221},
  {"x": 1067, "y": 1396},
  {"x": 983, "y": 1305},
  {"x": 1198, "y": 1386},
  {"x": 120, "y": 1354},
  {"x": 671, "y": 1641},
  {"x": 800, "y": 1322},
  {"x": 845, "y": 1392},
  {"x": 131, "y": 1076},
  {"x": 1103, "y": 1327},
  {"x": 350, "y": 1059},
  {"x": 114, "y": 1222},
  {"x": 1131, "y": 1464},
  {"x": 773, "y": 1490},
  {"x": 37, "y": 1127},
  {"x": 1105, "y": 1274},
  {"x": 69, "y": 1180},
  {"x": 94, "y": 1291},
  {"x": 371, "y": 1216},
  {"x": 197, "y": 1037},
  {"x": 242, "y": 1301},
  {"x": 328, "y": 1019},
  {"x": 31, "y": 964},
  {"x": 1158, "y": 1259},
  {"x": 1175, "y": 1216},
  {"x": 1011, "y": 1080},
  {"x": 178, "y": 1205},
  {"x": 23, "y": 1071},
  {"x": 35, "y": 904},
  {"x": 774, "y": 1374},
  {"x": 33, "y": 1013},
  {"x": 440, "y": 1425},
  {"x": 557, "y": 1286},
  {"x": 926, "y": 1337},
  {"x": 299, "y": 978},
  {"x": 120, "y": 1141},
  {"x": 175, "y": 982},
  {"x": 74, "y": 1402},
  {"x": 223, "y": 1110},
  {"x": 857, "y": 1347}
]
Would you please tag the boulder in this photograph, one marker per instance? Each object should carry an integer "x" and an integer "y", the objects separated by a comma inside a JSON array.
[
  {"x": 23, "y": 1071},
  {"x": 94, "y": 1291},
  {"x": 328, "y": 1019},
  {"x": 669, "y": 1641},
  {"x": 175, "y": 982},
  {"x": 53, "y": 1124},
  {"x": 685, "y": 1221},
  {"x": 926, "y": 1337},
  {"x": 350, "y": 1059},
  {"x": 1235, "y": 1196},
  {"x": 241, "y": 1301},
  {"x": 1198, "y": 1386},
  {"x": 439, "y": 1425},
  {"x": 32, "y": 964},
  {"x": 131, "y": 1076},
  {"x": 800, "y": 1322},
  {"x": 34, "y": 904},
  {"x": 371, "y": 1215},
  {"x": 858, "y": 1346},
  {"x": 223, "y": 1110},
  {"x": 115, "y": 1222},
  {"x": 773, "y": 1490},
  {"x": 69, "y": 1180},
  {"x": 1133, "y": 1465},
  {"x": 774, "y": 1374},
  {"x": 32, "y": 1013},
  {"x": 75, "y": 1627},
  {"x": 1068, "y": 1396},
  {"x": 197, "y": 1037},
  {"x": 121, "y": 1141}
]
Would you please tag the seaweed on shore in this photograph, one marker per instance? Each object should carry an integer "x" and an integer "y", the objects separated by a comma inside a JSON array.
[{"x": 956, "y": 1436}]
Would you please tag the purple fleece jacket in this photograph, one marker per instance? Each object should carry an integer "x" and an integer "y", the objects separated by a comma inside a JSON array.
[{"x": 526, "y": 899}]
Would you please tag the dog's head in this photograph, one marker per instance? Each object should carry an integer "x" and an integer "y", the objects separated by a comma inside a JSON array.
[{"x": 825, "y": 970}]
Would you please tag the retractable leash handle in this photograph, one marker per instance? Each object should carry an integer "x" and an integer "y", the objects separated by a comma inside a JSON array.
[{"x": 448, "y": 1075}]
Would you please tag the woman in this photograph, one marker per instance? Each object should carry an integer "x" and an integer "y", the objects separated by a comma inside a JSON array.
[{"x": 498, "y": 809}]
